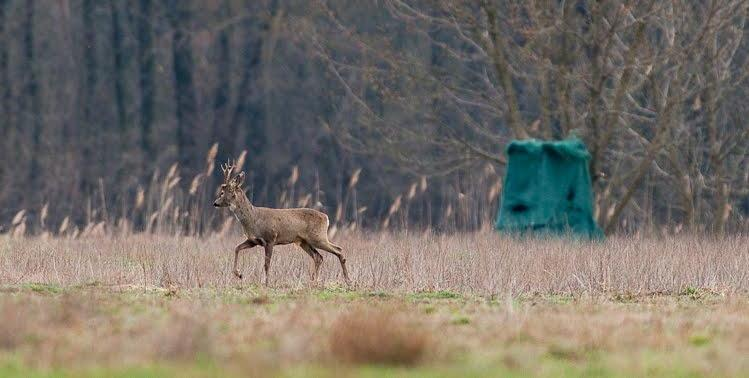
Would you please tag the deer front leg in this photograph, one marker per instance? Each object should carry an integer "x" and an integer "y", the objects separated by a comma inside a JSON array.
[
  {"x": 268, "y": 255},
  {"x": 244, "y": 245}
]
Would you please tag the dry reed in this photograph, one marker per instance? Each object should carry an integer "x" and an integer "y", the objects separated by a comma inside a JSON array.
[
  {"x": 174, "y": 205},
  {"x": 477, "y": 263}
]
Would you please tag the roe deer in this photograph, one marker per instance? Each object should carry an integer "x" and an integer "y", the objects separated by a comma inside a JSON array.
[{"x": 266, "y": 227}]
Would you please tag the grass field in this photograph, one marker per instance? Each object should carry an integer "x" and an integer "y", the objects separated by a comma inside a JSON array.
[{"x": 422, "y": 305}]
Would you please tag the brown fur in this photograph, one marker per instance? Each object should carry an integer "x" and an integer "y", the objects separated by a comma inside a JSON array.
[{"x": 268, "y": 227}]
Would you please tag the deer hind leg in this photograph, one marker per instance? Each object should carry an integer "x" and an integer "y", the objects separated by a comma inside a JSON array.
[
  {"x": 315, "y": 255},
  {"x": 326, "y": 245},
  {"x": 244, "y": 245}
]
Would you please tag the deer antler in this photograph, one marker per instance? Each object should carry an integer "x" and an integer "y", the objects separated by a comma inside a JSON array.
[{"x": 227, "y": 169}]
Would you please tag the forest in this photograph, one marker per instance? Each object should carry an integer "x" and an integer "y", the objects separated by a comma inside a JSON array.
[{"x": 384, "y": 114}]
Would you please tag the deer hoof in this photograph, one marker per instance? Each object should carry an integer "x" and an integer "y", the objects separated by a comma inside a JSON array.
[{"x": 238, "y": 275}]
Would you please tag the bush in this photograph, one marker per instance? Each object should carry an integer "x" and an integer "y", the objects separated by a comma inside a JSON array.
[{"x": 378, "y": 336}]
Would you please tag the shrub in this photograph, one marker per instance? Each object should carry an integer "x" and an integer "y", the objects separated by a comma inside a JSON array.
[{"x": 378, "y": 336}]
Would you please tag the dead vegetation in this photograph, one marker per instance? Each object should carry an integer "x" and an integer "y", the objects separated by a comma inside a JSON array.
[
  {"x": 377, "y": 335},
  {"x": 340, "y": 332},
  {"x": 470, "y": 263},
  {"x": 435, "y": 303}
]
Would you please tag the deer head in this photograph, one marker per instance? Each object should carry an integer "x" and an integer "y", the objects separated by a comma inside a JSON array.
[{"x": 230, "y": 189}]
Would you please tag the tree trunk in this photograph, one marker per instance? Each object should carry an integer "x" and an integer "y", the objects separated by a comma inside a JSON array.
[
  {"x": 223, "y": 87},
  {"x": 119, "y": 69},
  {"x": 120, "y": 94},
  {"x": 90, "y": 135},
  {"x": 32, "y": 94},
  {"x": 146, "y": 80},
  {"x": 247, "y": 117},
  {"x": 5, "y": 94},
  {"x": 6, "y": 114},
  {"x": 504, "y": 75},
  {"x": 182, "y": 60}
]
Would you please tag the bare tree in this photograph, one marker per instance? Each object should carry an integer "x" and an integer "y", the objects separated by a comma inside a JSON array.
[{"x": 620, "y": 75}]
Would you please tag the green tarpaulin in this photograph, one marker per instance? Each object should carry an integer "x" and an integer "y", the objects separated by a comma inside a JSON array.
[{"x": 547, "y": 189}]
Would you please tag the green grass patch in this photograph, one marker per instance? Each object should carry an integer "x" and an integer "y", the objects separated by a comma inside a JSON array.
[
  {"x": 625, "y": 297},
  {"x": 43, "y": 288},
  {"x": 699, "y": 340},
  {"x": 377, "y": 294},
  {"x": 461, "y": 320},
  {"x": 692, "y": 292},
  {"x": 336, "y": 292},
  {"x": 562, "y": 352},
  {"x": 563, "y": 299},
  {"x": 440, "y": 294},
  {"x": 552, "y": 298}
]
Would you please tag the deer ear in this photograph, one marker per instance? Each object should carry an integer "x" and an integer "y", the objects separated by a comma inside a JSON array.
[{"x": 239, "y": 179}]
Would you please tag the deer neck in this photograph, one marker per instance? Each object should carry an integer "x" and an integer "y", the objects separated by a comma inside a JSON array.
[{"x": 244, "y": 211}]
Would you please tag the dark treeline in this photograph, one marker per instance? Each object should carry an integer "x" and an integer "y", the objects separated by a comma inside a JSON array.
[
  {"x": 98, "y": 96},
  {"x": 101, "y": 93}
]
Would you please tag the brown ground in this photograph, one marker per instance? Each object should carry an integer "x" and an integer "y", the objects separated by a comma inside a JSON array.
[{"x": 423, "y": 305}]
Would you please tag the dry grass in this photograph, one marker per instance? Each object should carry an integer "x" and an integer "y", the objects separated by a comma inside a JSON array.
[
  {"x": 76, "y": 329},
  {"x": 376, "y": 335},
  {"x": 448, "y": 305},
  {"x": 478, "y": 263}
]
